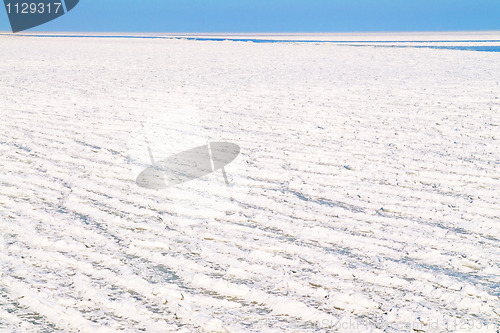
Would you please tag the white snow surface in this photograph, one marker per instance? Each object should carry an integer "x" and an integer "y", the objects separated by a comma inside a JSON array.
[{"x": 366, "y": 197}]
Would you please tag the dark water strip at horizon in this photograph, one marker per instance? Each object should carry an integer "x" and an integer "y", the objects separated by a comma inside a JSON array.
[
  {"x": 479, "y": 48},
  {"x": 254, "y": 40}
]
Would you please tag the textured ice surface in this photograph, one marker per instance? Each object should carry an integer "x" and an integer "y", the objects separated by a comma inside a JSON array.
[{"x": 365, "y": 198}]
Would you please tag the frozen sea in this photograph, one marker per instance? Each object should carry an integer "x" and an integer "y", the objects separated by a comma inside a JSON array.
[{"x": 365, "y": 198}]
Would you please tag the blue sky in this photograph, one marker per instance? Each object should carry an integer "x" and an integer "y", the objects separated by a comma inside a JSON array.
[{"x": 275, "y": 16}]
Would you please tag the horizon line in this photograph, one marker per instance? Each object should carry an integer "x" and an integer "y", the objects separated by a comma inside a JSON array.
[{"x": 3, "y": 32}]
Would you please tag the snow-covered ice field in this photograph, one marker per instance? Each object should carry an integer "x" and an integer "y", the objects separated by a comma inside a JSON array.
[{"x": 366, "y": 197}]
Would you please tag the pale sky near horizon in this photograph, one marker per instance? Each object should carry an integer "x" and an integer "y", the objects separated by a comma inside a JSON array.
[{"x": 275, "y": 16}]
